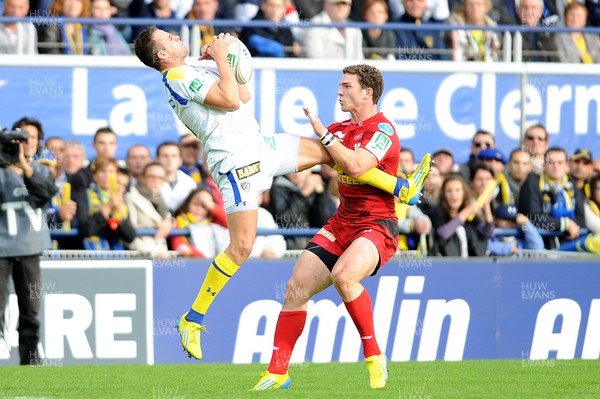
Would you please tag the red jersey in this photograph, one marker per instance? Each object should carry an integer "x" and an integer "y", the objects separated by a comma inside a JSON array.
[{"x": 362, "y": 202}]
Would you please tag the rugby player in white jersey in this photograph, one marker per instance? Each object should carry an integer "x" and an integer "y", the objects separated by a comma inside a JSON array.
[{"x": 242, "y": 159}]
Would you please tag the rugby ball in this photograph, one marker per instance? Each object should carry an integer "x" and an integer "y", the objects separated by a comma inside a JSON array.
[{"x": 240, "y": 61}]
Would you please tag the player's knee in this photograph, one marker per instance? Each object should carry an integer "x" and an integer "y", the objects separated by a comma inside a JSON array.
[
  {"x": 296, "y": 293},
  {"x": 341, "y": 280},
  {"x": 240, "y": 249}
]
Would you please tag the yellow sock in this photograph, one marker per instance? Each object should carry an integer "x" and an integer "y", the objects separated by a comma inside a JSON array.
[
  {"x": 379, "y": 179},
  {"x": 219, "y": 273}
]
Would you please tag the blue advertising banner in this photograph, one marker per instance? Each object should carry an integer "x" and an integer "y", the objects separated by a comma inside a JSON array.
[
  {"x": 431, "y": 110},
  {"x": 424, "y": 310}
]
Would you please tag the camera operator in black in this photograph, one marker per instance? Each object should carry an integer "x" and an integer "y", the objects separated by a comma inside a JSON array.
[{"x": 24, "y": 190}]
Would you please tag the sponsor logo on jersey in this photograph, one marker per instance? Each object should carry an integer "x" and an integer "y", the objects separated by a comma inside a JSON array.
[
  {"x": 196, "y": 85},
  {"x": 327, "y": 234},
  {"x": 386, "y": 128},
  {"x": 248, "y": 170},
  {"x": 339, "y": 135},
  {"x": 245, "y": 186},
  {"x": 348, "y": 181},
  {"x": 380, "y": 142}
]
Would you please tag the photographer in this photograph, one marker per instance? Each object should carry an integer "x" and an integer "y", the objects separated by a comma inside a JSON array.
[{"x": 24, "y": 190}]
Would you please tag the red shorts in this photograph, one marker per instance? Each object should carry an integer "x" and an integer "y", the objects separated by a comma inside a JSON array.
[{"x": 336, "y": 238}]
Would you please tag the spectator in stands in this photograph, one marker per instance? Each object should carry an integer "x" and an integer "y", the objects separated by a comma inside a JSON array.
[
  {"x": 596, "y": 164},
  {"x": 411, "y": 222},
  {"x": 481, "y": 141},
  {"x": 577, "y": 47},
  {"x": 56, "y": 145},
  {"x": 18, "y": 37},
  {"x": 178, "y": 185},
  {"x": 406, "y": 163},
  {"x": 207, "y": 223},
  {"x": 332, "y": 42},
  {"x": 513, "y": 11},
  {"x": 245, "y": 10},
  {"x": 272, "y": 246},
  {"x": 194, "y": 165},
  {"x": 156, "y": 9},
  {"x": 444, "y": 160},
  {"x": 138, "y": 156},
  {"x": 581, "y": 170},
  {"x": 418, "y": 45},
  {"x": 105, "y": 145},
  {"x": 592, "y": 206},
  {"x": 462, "y": 226},
  {"x": 147, "y": 209},
  {"x": 65, "y": 38},
  {"x": 123, "y": 180},
  {"x": 538, "y": 46},
  {"x": 74, "y": 158},
  {"x": 431, "y": 191},
  {"x": 551, "y": 201},
  {"x": 435, "y": 11},
  {"x": 493, "y": 159},
  {"x": 507, "y": 217},
  {"x": 299, "y": 201},
  {"x": 378, "y": 43},
  {"x": 105, "y": 39},
  {"x": 270, "y": 41},
  {"x": 535, "y": 141},
  {"x": 474, "y": 45},
  {"x": 519, "y": 167},
  {"x": 102, "y": 214},
  {"x": 206, "y": 10}
]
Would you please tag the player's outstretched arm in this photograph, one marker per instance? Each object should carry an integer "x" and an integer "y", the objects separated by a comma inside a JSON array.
[{"x": 360, "y": 165}]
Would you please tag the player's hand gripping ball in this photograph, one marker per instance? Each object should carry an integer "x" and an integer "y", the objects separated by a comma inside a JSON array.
[{"x": 240, "y": 60}]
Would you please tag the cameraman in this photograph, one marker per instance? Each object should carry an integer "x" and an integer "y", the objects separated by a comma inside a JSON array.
[{"x": 24, "y": 190}]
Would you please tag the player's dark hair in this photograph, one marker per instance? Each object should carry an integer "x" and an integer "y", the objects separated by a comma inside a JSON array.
[
  {"x": 368, "y": 76},
  {"x": 145, "y": 48}
]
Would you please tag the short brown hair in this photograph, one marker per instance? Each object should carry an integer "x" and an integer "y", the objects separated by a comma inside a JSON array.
[
  {"x": 145, "y": 48},
  {"x": 368, "y": 76},
  {"x": 102, "y": 163},
  {"x": 575, "y": 5}
]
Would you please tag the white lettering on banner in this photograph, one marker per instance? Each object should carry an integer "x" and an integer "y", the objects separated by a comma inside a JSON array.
[
  {"x": 401, "y": 105},
  {"x": 107, "y": 325},
  {"x": 126, "y": 118},
  {"x": 291, "y": 115},
  {"x": 248, "y": 342},
  {"x": 443, "y": 105},
  {"x": 564, "y": 342},
  {"x": 58, "y": 328},
  {"x": 556, "y": 97},
  {"x": 488, "y": 102},
  {"x": 544, "y": 337},
  {"x": 591, "y": 344},
  {"x": 328, "y": 316},
  {"x": 68, "y": 317},
  {"x": 583, "y": 97},
  {"x": 80, "y": 124},
  {"x": 130, "y": 116},
  {"x": 35, "y": 216}
]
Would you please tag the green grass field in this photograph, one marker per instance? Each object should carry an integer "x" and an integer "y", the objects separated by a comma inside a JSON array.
[{"x": 413, "y": 380}]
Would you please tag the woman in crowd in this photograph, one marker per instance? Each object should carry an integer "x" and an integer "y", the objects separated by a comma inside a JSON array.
[
  {"x": 65, "y": 38},
  {"x": 462, "y": 226},
  {"x": 577, "y": 47}
]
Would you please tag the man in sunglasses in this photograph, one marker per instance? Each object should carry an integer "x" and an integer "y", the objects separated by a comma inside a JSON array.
[
  {"x": 581, "y": 169},
  {"x": 535, "y": 142},
  {"x": 482, "y": 140}
]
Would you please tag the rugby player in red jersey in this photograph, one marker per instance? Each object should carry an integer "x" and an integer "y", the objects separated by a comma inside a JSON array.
[{"x": 358, "y": 239}]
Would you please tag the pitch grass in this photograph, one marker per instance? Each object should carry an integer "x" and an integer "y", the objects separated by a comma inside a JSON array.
[{"x": 412, "y": 380}]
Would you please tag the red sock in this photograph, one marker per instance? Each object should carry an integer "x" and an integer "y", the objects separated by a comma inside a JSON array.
[
  {"x": 361, "y": 311},
  {"x": 289, "y": 327}
]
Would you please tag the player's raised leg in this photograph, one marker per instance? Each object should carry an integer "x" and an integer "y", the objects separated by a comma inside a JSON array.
[
  {"x": 242, "y": 230},
  {"x": 310, "y": 276}
]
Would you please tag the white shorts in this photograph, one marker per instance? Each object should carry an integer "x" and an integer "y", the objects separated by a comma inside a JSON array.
[{"x": 243, "y": 175}]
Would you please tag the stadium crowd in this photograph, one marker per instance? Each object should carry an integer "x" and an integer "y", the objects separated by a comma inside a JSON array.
[
  {"x": 50, "y": 35},
  {"x": 536, "y": 187}
]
